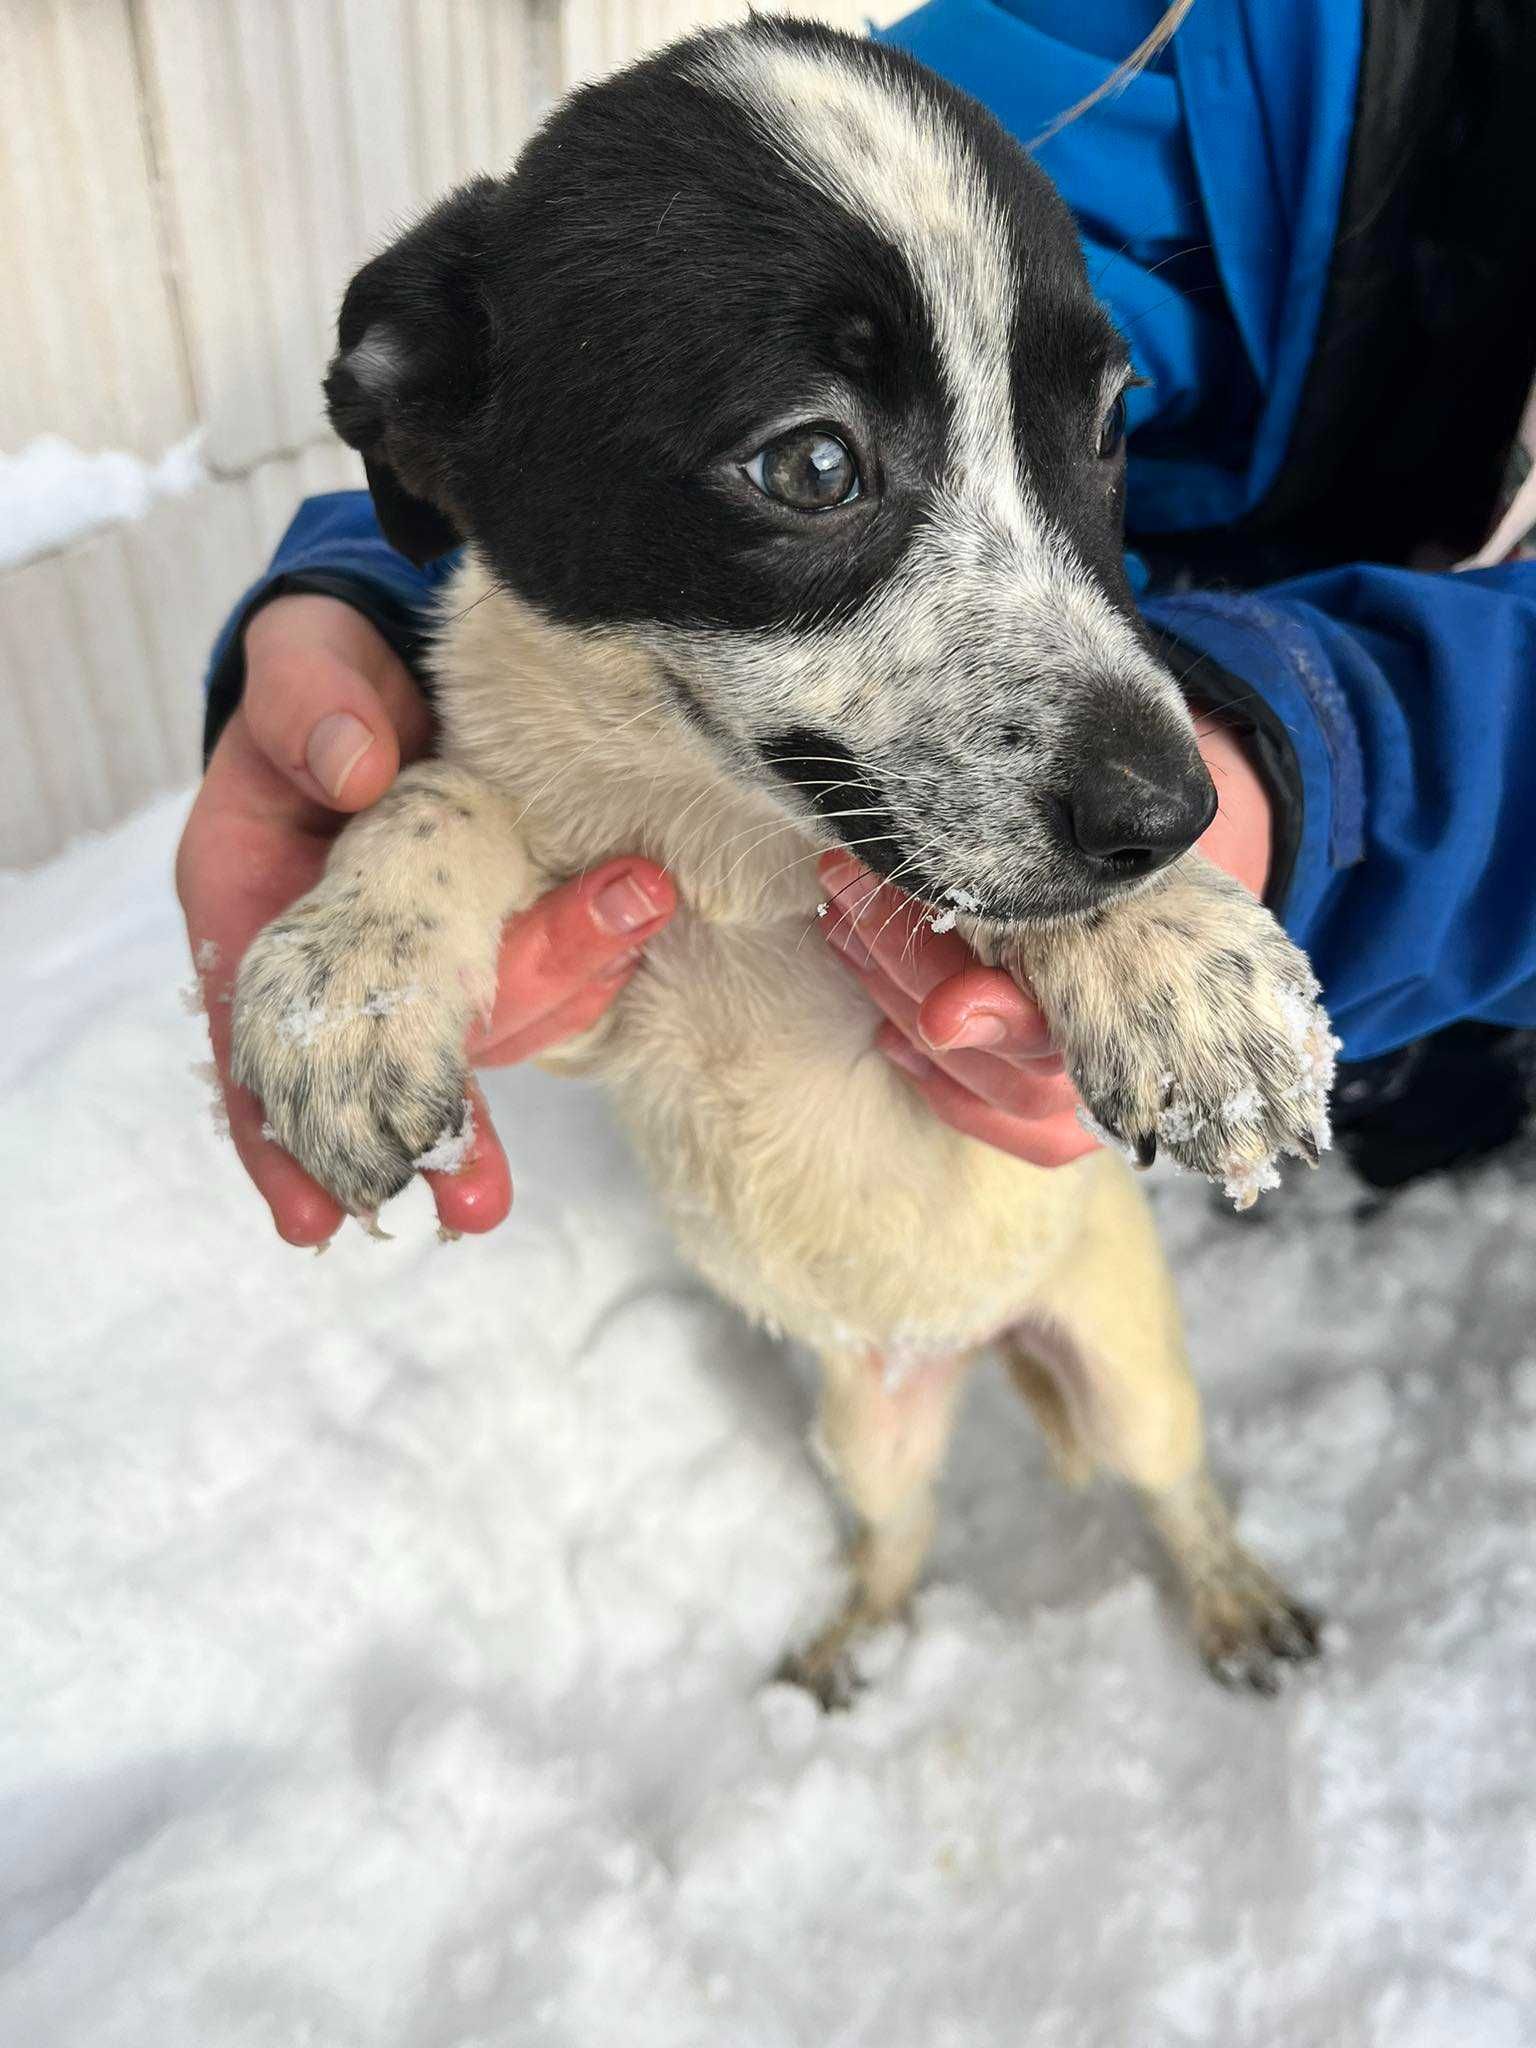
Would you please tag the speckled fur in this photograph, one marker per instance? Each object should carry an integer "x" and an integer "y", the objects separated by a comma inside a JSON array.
[{"x": 801, "y": 1175}]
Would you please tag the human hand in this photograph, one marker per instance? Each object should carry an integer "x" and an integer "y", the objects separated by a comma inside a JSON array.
[
  {"x": 329, "y": 715},
  {"x": 971, "y": 1042}
]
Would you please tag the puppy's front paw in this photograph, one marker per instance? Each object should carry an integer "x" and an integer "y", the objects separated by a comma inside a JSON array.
[
  {"x": 350, "y": 1031},
  {"x": 1190, "y": 1023}
]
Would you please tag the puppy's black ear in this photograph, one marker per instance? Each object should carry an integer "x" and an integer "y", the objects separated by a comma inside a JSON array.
[{"x": 408, "y": 378}]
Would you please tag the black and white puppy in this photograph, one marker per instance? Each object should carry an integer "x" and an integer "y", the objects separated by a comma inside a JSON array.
[{"x": 771, "y": 398}]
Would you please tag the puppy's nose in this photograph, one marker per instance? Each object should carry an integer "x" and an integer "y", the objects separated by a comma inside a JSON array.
[{"x": 1129, "y": 816}]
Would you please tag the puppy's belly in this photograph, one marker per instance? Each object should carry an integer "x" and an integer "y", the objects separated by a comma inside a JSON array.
[{"x": 802, "y": 1177}]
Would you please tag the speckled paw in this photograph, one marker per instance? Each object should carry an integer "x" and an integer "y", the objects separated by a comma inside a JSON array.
[
  {"x": 354, "y": 1047},
  {"x": 1197, "y": 1033}
]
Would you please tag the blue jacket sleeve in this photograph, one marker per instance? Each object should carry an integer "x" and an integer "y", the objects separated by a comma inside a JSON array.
[
  {"x": 333, "y": 548},
  {"x": 1410, "y": 704}
]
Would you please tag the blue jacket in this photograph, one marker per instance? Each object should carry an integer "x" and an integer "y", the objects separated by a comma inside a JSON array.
[{"x": 1406, "y": 701}]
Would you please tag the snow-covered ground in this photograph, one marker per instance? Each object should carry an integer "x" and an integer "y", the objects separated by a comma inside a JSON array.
[{"x": 385, "y": 1635}]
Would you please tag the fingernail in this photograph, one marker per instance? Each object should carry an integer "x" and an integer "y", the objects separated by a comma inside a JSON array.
[
  {"x": 335, "y": 747},
  {"x": 909, "y": 1059},
  {"x": 622, "y": 964},
  {"x": 979, "y": 1029},
  {"x": 850, "y": 945},
  {"x": 623, "y": 906}
]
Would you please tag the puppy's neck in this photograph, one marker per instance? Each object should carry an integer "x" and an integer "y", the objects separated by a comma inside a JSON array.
[{"x": 582, "y": 727}]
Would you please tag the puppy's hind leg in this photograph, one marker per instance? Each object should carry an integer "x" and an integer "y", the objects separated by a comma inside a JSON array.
[
  {"x": 885, "y": 1427},
  {"x": 1105, "y": 1370}
]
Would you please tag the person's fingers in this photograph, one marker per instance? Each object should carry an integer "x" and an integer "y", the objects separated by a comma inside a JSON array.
[
  {"x": 322, "y": 725},
  {"x": 303, "y": 1212},
  {"x": 571, "y": 948},
  {"x": 1240, "y": 836},
  {"x": 1030, "y": 1088},
  {"x": 963, "y": 1004},
  {"x": 567, "y": 1020},
  {"x": 984, "y": 1010},
  {"x": 478, "y": 1194},
  {"x": 1050, "y": 1142},
  {"x": 328, "y": 702},
  {"x": 869, "y": 919}
]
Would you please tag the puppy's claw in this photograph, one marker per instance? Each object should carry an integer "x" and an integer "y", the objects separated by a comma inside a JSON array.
[
  {"x": 1293, "y": 1632},
  {"x": 1254, "y": 1649},
  {"x": 1146, "y": 1150},
  {"x": 1307, "y": 1148}
]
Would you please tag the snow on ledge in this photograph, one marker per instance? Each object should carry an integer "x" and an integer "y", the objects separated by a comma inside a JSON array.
[{"x": 53, "y": 493}]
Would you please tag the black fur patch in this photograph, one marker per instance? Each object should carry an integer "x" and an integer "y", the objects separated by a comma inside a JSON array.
[
  {"x": 841, "y": 790},
  {"x": 590, "y": 350}
]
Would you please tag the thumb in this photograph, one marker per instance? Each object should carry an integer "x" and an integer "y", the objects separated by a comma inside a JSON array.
[{"x": 328, "y": 701}]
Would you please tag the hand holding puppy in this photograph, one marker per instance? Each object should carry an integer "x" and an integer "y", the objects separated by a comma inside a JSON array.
[
  {"x": 329, "y": 716},
  {"x": 972, "y": 1043}
]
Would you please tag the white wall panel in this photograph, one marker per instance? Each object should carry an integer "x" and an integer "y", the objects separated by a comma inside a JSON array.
[
  {"x": 300, "y": 135},
  {"x": 88, "y": 345}
]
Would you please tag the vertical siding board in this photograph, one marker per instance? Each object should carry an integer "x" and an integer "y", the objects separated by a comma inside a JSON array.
[
  {"x": 212, "y": 191},
  {"x": 173, "y": 623},
  {"x": 282, "y": 214},
  {"x": 90, "y": 351},
  {"x": 439, "y": 85},
  {"x": 329, "y": 189},
  {"x": 144, "y": 372},
  {"x": 27, "y": 403},
  {"x": 46, "y": 657},
  {"x": 117, "y": 688},
  {"x": 45, "y": 222},
  {"x": 35, "y": 782},
  {"x": 515, "y": 75},
  {"x": 378, "y": 113},
  {"x": 186, "y": 550}
]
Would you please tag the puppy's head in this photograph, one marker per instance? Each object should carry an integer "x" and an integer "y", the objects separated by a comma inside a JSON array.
[{"x": 777, "y": 356}]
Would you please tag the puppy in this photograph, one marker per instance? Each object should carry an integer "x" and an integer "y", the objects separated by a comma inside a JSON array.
[{"x": 785, "y": 434}]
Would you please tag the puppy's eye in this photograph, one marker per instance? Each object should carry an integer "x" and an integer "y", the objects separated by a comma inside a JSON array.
[
  {"x": 1112, "y": 432},
  {"x": 807, "y": 468}
]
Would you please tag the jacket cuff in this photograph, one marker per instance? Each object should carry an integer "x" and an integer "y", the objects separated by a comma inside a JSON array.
[{"x": 1306, "y": 743}]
